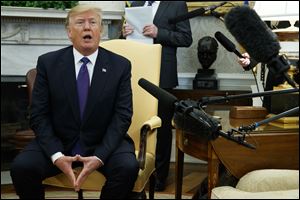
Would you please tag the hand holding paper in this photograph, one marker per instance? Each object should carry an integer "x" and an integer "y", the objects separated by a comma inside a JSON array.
[
  {"x": 138, "y": 18},
  {"x": 150, "y": 30}
]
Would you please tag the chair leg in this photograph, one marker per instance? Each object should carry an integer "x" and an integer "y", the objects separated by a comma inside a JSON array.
[
  {"x": 151, "y": 186},
  {"x": 80, "y": 194}
]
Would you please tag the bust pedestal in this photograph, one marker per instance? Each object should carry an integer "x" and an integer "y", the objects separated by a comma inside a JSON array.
[{"x": 205, "y": 79}]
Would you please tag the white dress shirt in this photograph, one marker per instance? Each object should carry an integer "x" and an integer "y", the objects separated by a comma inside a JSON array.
[{"x": 155, "y": 5}]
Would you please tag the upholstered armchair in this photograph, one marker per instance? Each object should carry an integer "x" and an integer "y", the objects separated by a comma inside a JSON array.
[
  {"x": 262, "y": 184},
  {"x": 145, "y": 60},
  {"x": 23, "y": 137}
]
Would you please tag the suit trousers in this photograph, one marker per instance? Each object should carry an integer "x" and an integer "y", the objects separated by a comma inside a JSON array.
[{"x": 31, "y": 167}]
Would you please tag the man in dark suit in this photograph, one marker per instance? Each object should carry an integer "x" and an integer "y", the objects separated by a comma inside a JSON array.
[
  {"x": 80, "y": 113},
  {"x": 170, "y": 36}
]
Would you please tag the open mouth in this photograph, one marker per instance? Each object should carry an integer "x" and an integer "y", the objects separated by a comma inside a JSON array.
[{"x": 87, "y": 37}]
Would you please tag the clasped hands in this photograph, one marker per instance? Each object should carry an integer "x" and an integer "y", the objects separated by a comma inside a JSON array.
[{"x": 90, "y": 164}]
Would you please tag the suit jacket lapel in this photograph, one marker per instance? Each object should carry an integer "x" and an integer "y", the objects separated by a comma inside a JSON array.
[
  {"x": 161, "y": 9},
  {"x": 99, "y": 79},
  {"x": 68, "y": 76}
]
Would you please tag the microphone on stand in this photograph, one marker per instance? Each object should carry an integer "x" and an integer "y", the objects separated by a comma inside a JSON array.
[
  {"x": 216, "y": 14},
  {"x": 195, "y": 13},
  {"x": 213, "y": 7},
  {"x": 190, "y": 117},
  {"x": 257, "y": 38},
  {"x": 253, "y": 126}
]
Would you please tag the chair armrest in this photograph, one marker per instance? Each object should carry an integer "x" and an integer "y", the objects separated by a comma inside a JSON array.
[
  {"x": 153, "y": 123},
  {"x": 148, "y": 127},
  {"x": 269, "y": 180},
  {"x": 228, "y": 192}
]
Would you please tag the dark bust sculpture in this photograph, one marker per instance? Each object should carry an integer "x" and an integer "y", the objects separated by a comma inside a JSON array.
[
  {"x": 207, "y": 54},
  {"x": 207, "y": 51}
]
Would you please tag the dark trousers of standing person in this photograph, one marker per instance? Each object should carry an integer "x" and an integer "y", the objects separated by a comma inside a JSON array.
[{"x": 163, "y": 146}]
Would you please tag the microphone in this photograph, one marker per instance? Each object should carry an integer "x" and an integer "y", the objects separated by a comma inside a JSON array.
[
  {"x": 213, "y": 7},
  {"x": 186, "y": 117},
  {"x": 192, "y": 119},
  {"x": 189, "y": 116},
  {"x": 165, "y": 98},
  {"x": 216, "y": 14},
  {"x": 189, "y": 15},
  {"x": 194, "y": 13},
  {"x": 229, "y": 46},
  {"x": 257, "y": 38}
]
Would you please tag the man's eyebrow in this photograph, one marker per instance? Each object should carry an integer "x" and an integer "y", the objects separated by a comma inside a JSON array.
[{"x": 92, "y": 18}]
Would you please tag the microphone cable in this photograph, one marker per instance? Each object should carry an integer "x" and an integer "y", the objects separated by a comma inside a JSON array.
[{"x": 256, "y": 83}]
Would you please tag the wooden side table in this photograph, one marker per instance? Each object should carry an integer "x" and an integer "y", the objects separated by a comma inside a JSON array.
[
  {"x": 198, "y": 148},
  {"x": 275, "y": 148},
  {"x": 195, "y": 146}
]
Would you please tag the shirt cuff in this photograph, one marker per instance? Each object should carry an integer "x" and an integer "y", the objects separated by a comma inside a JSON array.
[
  {"x": 100, "y": 160},
  {"x": 56, "y": 156}
]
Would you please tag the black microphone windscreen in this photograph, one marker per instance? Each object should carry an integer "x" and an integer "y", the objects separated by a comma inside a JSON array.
[
  {"x": 227, "y": 44},
  {"x": 193, "y": 120},
  {"x": 252, "y": 33},
  {"x": 163, "y": 96}
]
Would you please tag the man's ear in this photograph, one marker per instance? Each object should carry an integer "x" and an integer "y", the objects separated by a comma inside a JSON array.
[{"x": 69, "y": 32}]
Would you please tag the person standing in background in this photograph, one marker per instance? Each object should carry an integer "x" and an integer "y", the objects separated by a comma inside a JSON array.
[{"x": 170, "y": 36}]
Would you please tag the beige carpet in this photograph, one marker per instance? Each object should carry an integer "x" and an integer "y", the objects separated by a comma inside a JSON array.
[{"x": 86, "y": 195}]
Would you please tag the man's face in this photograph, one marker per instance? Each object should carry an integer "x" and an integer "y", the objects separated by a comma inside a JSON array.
[{"x": 84, "y": 31}]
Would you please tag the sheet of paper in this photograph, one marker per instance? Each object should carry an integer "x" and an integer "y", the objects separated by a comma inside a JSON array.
[{"x": 138, "y": 18}]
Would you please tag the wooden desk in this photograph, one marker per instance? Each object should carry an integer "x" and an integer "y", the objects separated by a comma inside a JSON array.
[
  {"x": 275, "y": 148},
  {"x": 273, "y": 151},
  {"x": 196, "y": 147}
]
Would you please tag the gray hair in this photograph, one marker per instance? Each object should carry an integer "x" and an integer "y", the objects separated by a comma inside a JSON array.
[{"x": 83, "y": 8}]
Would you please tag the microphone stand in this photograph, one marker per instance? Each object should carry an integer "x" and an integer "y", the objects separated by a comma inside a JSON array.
[
  {"x": 245, "y": 129},
  {"x": 220, "y": 99},
  {"x": 253, "y": 126},
  {"x": 236, "y": 135},
  {"x": 185, "y": 108},
  {"x": 238, "y": 139}
]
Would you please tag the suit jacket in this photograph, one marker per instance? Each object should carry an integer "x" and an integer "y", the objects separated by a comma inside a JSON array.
[
  {"x": 55, "y": 115},
  {"x": 170, "y": 36}
]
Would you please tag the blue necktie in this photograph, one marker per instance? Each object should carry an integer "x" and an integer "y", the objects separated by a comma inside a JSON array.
[
  {"x": 150, "y": 3},
  {"x": 83, "y": 84}
]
